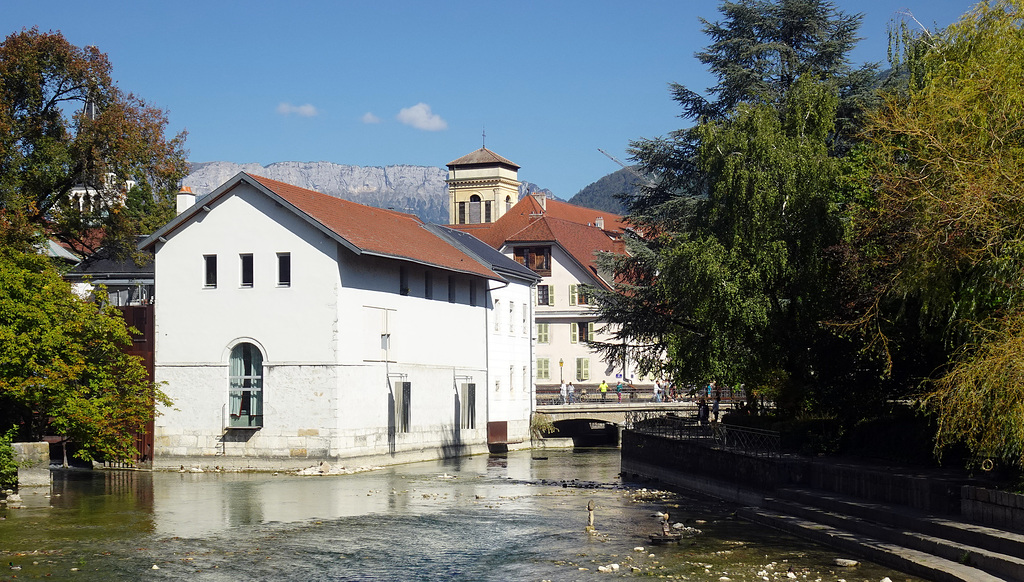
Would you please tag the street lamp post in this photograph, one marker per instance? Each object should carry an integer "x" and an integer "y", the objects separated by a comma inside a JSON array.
[{"x": 560, "y": 364}]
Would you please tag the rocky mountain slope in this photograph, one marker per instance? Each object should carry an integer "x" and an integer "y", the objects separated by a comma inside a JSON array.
[
  {"x": 602, "y": 195},
  {"x": 419, "y": 190}
]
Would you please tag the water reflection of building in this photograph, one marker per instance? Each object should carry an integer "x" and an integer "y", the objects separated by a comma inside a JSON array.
[{"x": 294, "y": 327}]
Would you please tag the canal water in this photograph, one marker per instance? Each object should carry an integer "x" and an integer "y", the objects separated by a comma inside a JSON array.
[{"x": 521, "y": 516}]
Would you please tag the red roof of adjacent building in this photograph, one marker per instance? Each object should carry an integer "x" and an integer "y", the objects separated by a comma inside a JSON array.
[{"x": 572, "y": 227}]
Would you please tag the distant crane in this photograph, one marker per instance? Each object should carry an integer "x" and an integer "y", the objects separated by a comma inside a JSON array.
[{"x": 647, "y": 181}]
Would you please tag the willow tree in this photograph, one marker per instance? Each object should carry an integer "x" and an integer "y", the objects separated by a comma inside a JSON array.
[
  {"x": 947, "y": 224},
  {"x": 66, "y": 125},
  {"x": 730, "y": 269}
]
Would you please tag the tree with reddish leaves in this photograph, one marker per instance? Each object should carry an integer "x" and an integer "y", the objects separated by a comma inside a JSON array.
[{"x": 67, "y": 129}]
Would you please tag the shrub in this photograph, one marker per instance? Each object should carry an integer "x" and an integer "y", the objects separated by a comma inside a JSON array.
[{"x": 8, "y": 467}]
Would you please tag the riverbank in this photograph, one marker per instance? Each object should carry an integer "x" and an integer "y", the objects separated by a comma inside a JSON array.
[{"x": 906, "y": 518}]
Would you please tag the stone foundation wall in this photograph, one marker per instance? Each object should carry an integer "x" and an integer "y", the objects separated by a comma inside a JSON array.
[
  {"x": 691, "y": 458},
  {"x": 886, "y": 485},
  {"x": 991, "y": 507},
  {"x": 33, "y": 464},
  {"x": 738, "y": 477}
]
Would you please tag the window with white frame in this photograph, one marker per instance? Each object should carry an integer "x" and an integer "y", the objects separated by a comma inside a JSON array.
[
  {"x": 210, "y": 271},
  {"x": 542, "y": 333},
  {"x": 284, "y": 269},
  {"x": 246, "y": 268},
  {"x": 545, "y": 294},
  {"x": 245, "y": 387}
]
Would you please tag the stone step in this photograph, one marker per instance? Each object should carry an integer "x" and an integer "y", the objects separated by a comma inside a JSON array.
[
  {"x": 1008, "y": 566},
  {"x": 909, "y": 560},
  {"x": 990, "y": 538}
]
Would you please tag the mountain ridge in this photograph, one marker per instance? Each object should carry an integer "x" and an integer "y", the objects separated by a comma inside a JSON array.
[{"x": 419, "y": 190}]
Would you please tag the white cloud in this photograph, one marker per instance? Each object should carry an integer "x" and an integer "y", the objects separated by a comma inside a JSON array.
[
  {"x": 420, "y": 117},
  {"x": 370, "y": 118},
  {"x": 306, "y": 110}
]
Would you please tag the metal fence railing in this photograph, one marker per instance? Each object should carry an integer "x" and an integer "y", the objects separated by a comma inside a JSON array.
[{"x": 751, "y": 441}]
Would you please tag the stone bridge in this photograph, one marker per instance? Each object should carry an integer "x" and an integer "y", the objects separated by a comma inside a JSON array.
[{"x": 596, "y": 423}]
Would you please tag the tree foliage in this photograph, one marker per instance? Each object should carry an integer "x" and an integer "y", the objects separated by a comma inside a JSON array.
[
  {"x": 731, "y": 270},
  {"x": 64, "y": 123},
  {"x": 945, "y": 230},
  {"x": 62, "y": 368}
]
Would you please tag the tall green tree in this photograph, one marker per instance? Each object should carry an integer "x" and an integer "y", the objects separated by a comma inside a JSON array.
[
  {"x": 944, "y": 229},
  {"x": 62, "y": 366},
  {"x": 730, "y": 273},
  {"x": 64, "y": 123}
]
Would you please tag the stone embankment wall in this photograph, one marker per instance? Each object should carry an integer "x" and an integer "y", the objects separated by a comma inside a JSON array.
[
  {"x": 33, "y": 464},
  {"x": 993, "y": 508},
  {"x": 890, "y": 485},
  {"x": 720, "y": 473},
  {"x": 747, "y": 479}
]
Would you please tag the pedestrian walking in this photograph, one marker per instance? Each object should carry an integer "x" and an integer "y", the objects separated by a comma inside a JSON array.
[
  {"x": 572, "y": 392},
  {"x": 618, "y": 390},
  {"x": 563, "y": 392},
  {"x": 604, "y": 389}
]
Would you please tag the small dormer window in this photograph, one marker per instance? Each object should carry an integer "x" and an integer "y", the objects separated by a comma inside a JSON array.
[{"x": 537, "y": 259}]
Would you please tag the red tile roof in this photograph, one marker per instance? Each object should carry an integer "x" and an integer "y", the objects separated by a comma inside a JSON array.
[
  {"x": 363, "y": 229},
  {"x": 377, "y": 231},
  {"x": 572, "y": 227}
]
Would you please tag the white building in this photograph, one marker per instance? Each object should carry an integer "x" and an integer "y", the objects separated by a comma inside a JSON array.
[
  {"x": 293, "y": 327},
  {"x": 559, "y": 242}
]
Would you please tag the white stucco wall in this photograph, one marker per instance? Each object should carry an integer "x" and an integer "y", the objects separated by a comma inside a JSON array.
[
  {"x": 327, "y": 378},
  {"x": 510, "y": 385}
]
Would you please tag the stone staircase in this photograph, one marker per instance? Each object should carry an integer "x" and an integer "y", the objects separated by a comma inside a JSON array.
[{"x": 931, "y": 546}]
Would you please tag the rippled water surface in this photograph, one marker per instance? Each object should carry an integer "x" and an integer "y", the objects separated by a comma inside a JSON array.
[{"x": 515, "y": 517}]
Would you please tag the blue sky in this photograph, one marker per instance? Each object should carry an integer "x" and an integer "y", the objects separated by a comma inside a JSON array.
[{"x": 382, "y": 83}]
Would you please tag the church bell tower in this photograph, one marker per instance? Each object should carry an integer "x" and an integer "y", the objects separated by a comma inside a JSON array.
[{"x": 482, "y": 186}]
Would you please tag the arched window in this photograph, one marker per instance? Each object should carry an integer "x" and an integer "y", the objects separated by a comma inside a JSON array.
[
  {"x": 245, "y": 393},
  {"x": 508, "y": 203},
  {"x": 474, "y": 209}
]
